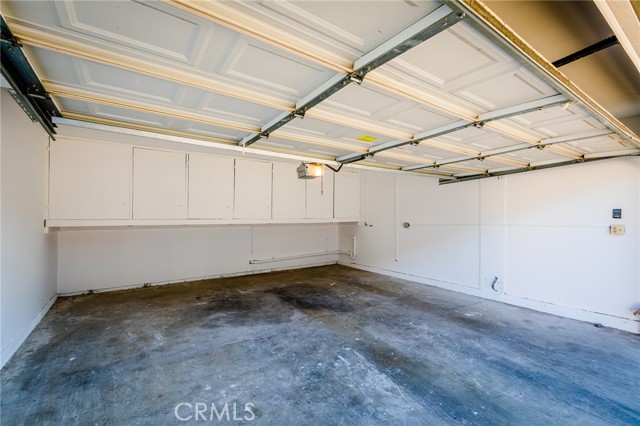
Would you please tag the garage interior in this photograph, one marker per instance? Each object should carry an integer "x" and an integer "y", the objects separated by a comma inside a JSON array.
[{"x": 312, "y": 212}]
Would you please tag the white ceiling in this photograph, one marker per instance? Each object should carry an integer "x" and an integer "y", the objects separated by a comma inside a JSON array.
[{"x": 220, "y": 71}]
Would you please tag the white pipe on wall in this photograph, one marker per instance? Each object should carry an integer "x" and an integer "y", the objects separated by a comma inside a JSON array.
[
  {"x": 297, "y": 256},
  {"x": 353, "y": 253},
  {"x": 354, "y": 250}
]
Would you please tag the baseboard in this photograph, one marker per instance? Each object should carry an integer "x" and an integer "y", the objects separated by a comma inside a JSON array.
[
  {"x": 624, "y": 324},
  {"x": 15, "y": 343},
  {"x": 185, "y": 280}
]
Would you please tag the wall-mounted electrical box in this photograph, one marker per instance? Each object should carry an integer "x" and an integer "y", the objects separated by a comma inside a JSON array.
[
  {"x": 616, "y": 230},
  {"x": 617, "y": 213}
]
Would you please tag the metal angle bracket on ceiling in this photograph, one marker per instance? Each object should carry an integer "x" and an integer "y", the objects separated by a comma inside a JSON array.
[
  {"x": 448, "y": 128},
  {"x": 521, "y": 109},
  {"x": 353, "y": 157},
  {"x": 435, "y": 22},
  {"x": 27, "y": 89},
  {"x": 513, "y": 148},
  {"x": 482, "y": 119},
  {"x": 453, "y": 179}
]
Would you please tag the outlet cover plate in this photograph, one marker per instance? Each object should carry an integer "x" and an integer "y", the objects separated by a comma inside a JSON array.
[{"x": 616, "y": 230}]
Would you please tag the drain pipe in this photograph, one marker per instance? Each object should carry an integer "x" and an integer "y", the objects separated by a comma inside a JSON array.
[{"x": 354, "y": 248}]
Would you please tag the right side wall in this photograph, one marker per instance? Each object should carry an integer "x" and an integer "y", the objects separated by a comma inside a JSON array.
[{"x": 539, "y": 239}]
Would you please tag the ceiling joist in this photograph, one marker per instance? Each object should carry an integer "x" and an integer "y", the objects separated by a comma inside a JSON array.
[
  {"x": 221, "y": 14},
  {"x": 432, "y": 24},
  {"x": 624, "y": 20},
  {"x": 210, "y": 83},
  {"x": 51, "y": 41},
  {"x": 93, "y": 97},
  {"x": 38, "y": 38}
]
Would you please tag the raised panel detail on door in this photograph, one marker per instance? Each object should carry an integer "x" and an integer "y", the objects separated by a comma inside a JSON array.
[
  {"x": 347, "y": 195},
  {"x": 159, "y": 185},
  {"x": 252, "y": 190},
  {"x": 288, "y": 192},
  {"x": 320, "y": 196},
  {"x": 89, "y": 180},
  {"x": 210, "y": 187}
]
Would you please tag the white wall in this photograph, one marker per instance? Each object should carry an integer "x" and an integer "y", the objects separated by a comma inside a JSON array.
[
  {"x": 544, "y": 235},
  {"x": 115, "y": 258},
  {"x": 28, "y": 255}
]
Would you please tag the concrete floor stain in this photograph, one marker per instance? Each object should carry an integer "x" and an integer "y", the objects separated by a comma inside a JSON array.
[{"x": 330, "y": 346}]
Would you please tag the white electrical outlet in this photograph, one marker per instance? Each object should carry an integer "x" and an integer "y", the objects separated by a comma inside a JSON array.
[{"x": 616, "y": 230}]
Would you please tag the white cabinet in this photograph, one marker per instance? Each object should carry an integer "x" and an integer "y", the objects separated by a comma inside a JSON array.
[
  {"x": 347, "y": 195},
  {"x": 320, "y": 196},
  {"x": 288, "y": 192},
  {"x": 159, "y": 184},
  {"x": 89, "y": 180},
  {"x": 210, "y": 187},
  {"x": 111, "y": 184},
  {"x": 252, "y": 189}
]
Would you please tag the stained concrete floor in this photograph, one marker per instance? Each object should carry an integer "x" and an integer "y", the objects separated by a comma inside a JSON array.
[{"x": 321, "y": 346}]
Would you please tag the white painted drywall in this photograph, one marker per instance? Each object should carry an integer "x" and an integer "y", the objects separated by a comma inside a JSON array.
[
  {"x": 558, "y": 244},
  {"x": 28, "y": 255},
  {"x": 346, "y": 195},
  {"x": 115, "y": 258},
  {"x": 544, "y": 235}
]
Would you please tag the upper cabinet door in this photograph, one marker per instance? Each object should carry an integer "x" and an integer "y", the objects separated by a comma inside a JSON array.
[
  {"x": 288, "y": 192},
  {"x": 89, "y": 180},
  {"x": 210, "y": 187},
  {"x": 159, "y": 184},
  {"x": 252, "y": 190},
  {"x": 347, "y": 195},
  {"x": 320, "y": 196}
]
